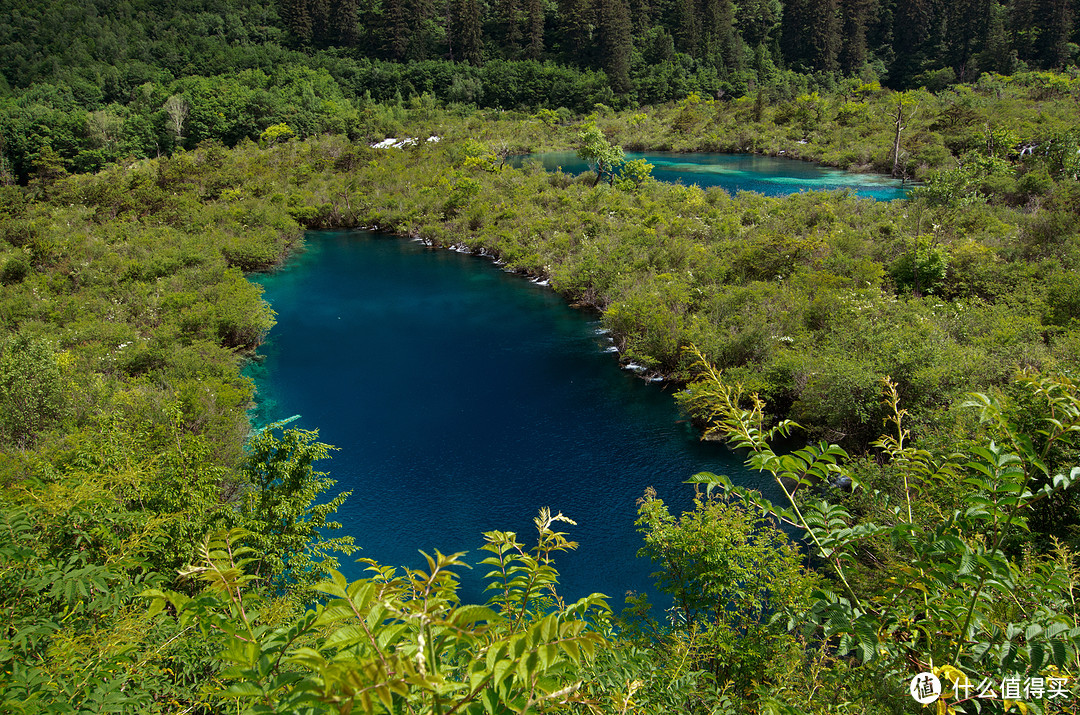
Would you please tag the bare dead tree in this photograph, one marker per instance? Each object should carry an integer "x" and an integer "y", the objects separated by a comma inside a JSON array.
[{"x": 178, "y": 109}]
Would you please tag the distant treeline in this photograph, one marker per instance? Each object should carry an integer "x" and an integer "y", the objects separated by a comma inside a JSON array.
[
  {"x": 910, "y": 42},
  {"x": 741, "y": 45}
]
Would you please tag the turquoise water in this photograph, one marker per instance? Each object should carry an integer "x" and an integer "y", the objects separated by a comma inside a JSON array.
[
  {"x": 766, "y": 175},
  {"x": 462, "y": 399}
]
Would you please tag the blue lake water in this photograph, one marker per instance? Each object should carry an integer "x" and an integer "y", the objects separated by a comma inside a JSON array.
[
  {"x": 462, "y": 399},
  {"x": 766, "y": 175}
]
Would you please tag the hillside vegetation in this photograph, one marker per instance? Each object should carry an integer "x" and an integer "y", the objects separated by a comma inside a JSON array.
[
  {"x": 128, "y": 316},
  {"x": 158, "y": 555}
]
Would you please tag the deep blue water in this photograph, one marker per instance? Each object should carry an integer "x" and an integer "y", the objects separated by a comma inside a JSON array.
[
  {"x": 766, "y": 175},
  {"x": 462, "y": 399}
]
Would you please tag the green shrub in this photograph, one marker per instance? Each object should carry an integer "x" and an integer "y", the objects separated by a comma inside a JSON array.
[
  {"x": 32, "y": 389},
  {"x": 922, "y": 268},
  {"x": 15, "y": 269}
]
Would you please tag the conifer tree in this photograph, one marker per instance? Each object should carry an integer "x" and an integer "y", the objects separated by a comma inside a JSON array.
[
  {"x": 1022, "y": 28},
  {"x": 688, "y": 27},
  {"x": 1056, "y": 18},
  {"x": 370, "y": 24},
  {"x": 575, "y": 19},
  {"x": 465, "y": 31},
  {"x": 718, "y": 19},
  {"x": 615, "y": 42},
  {"x": 997, "y": 55},
  {"x": 320, "y": 22},
  {"x": 853, "y": 53},
  {"x": 297, "y": 18},
  {"x": 915, "y": 20},
  {"x": 811, "y": 33},
  {"x": 343, "y": 23},
  {"x": 408, "y": 26},
  {"x": 758, "y": 19},
  {"x": 534, "y": 12},
  {"x": 509, "y": 12},
  {"x": 641, "y": 17},
  {"x": 399, "y": 29},
  {"x": 966, "y": 22}
]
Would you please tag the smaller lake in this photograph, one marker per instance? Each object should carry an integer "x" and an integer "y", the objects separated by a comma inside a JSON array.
[{"x": 766, "y": 175}]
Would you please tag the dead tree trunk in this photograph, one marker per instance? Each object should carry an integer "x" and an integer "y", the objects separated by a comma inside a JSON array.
[{"x": 899, "y": 118}]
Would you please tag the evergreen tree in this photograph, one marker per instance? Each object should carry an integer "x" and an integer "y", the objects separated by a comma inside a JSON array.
[
  {"x": 325, "y": 23},
  {"x": 1053, "y": 42},
  {"x": 966, "y": 23},
  {"x": 575, "y": 19},
  {"x": 423, "y": 40},
  {"x": 657, "y": 47},
  {"x": 641, "y": 19},
  {"x": 465, "y": 31},
  {"x": 759, "y": 19},
  {"x": 1025, "y": 31},
  {"x": 811, "y": 33},
  {"x": 856, "y": 14},
  {"x": 534, "y": 11},
  {"x": 410, "y": 34},
  {"x": 879, "y": 31},
  {"x": 615, "y": 42},
  {"x": 452, "y": 27},
  {"x": 297, "y": 18},
  {"x": 399, "y": 29},
  {"x": 509, "y": 21},
  {"x": 343, "y": 23},
  {"x": 912, "y": 34},
  {"x": 718, "y": 31},
  {"x": 997, "y": 55},
  {"x": 320, "y": 22},
  {"x": 688, "y": 27},
  {"x": 371, "y": 23}
]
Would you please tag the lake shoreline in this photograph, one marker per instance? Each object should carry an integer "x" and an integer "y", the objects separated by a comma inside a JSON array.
[
  {"x": 578, "y": 431},
  {"x": 588, "y": 303}
]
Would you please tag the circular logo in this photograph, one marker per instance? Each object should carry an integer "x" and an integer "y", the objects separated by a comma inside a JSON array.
[{"x": 925, "y": 688}]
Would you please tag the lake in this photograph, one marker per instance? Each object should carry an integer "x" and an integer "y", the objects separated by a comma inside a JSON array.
[
  {"x": 462, "y": 399},
  {"x": 766, "y": 175}
]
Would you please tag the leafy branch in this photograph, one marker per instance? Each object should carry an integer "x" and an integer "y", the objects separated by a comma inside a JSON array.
[{"x": 956, "y": 567}]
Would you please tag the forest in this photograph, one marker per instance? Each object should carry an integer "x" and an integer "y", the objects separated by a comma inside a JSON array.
[
  {"x": 160, "y": 555},
  {"x": 95, "y": 82}
]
